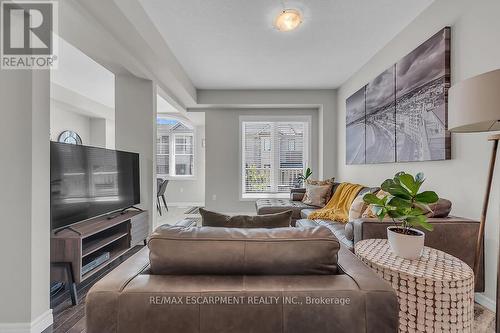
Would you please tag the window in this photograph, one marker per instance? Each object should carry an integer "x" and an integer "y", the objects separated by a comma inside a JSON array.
[
  {"x": 174, "y": 148},
  {"x": 274, "y": 154},
  {"x": 184, "y": 158},
  {"x": 266, "y": 144},
  {"x": 162, "y": 155}
]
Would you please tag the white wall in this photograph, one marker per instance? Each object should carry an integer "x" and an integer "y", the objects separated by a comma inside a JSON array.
[
  {"x": 110, "y": 133},
  {"x": 190, "y": 191},
  {"x": 62, "y": 119},
  {"x": 24, "y": 200},
  {"x": 135, "y": 119},
  {"x": 97, "y": 132},
  {"x": 222, "y": 155},
  {"x": 475, "y": 32}
]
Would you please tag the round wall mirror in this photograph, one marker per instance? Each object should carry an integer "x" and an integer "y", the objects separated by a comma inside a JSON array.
[{"x": 70, "y": 137}]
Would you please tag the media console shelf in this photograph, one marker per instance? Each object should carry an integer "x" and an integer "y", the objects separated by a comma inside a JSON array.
[{"x": 71, "y": 249}]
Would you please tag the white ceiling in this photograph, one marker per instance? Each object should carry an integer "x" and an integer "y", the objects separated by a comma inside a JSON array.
[
  {"x": 80, "y": 74},
  {"x": 231, "y": 44}
]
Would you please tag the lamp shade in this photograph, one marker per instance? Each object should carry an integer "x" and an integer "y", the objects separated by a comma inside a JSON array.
[{"x": 474, "y": 104}]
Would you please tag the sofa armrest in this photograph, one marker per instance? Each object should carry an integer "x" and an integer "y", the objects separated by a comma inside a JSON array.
[
  {"x": 101, "y": 304},
  {"x": 297, "y": 194},
  {"x": 453, "y": 235},
  {"x": 305, "y": 223},
  {"x": 382, "y": 307}
]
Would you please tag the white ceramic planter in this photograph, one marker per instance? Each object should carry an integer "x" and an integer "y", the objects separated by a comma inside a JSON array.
[{"x": 406, "y": 246}]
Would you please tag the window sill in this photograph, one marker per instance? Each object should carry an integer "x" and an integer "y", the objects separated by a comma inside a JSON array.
[
  {"x": 255, "y": 196},
  {"x": 176, "y": 177}
]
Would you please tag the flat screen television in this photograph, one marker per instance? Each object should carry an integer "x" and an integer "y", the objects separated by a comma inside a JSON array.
[{"x": 86, "y": 182}]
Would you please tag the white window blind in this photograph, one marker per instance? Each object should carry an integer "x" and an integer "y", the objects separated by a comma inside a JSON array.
[
  {"x": 274, "y": 154},
  {"x": 184, "y": 158},
  {"x": 162, "y": 155}
]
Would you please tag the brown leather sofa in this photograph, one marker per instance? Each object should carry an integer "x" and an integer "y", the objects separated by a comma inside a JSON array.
[
  {"x": 294, "y": 203},
  {"x": 454, "y": 235},
  {"x": 210, "y": 279}
]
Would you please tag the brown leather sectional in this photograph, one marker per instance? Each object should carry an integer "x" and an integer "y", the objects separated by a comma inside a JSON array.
[
  {"x": 211, "y": 279},
  {"x": 454, "y": 235}
]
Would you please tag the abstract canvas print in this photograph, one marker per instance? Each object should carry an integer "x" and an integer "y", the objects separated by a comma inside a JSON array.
[
  {"x": 380, "y": 118},
  {"x": 422, "y": 82},
  {"x": 355, "y": 128},
  {"x": 405, "y": 109}
]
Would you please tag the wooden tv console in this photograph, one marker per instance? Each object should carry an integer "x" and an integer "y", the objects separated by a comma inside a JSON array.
[{"x": 72, "y": 248}]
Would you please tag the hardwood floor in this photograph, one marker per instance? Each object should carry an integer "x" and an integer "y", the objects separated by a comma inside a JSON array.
[{"x": 68, "y": 318}]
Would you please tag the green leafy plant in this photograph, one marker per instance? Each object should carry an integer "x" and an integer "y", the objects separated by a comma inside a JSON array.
[
  {"x": 303, "y": 177},
  {"x": 308, "y": 173},
  {"x": 404, "y": 203}
]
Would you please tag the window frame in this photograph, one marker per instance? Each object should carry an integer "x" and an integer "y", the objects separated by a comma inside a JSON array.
[
  {"x": 171, "y": 155},
  {"x": 307, "y": 119}
]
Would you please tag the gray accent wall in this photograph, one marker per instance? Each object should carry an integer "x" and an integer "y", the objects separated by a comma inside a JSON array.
[
  {"x": 135, "y": 119},
  {"x": 222, "y": 185},
  {"x": 475, "y": 32},
  {"x": 24, "y": 200}
]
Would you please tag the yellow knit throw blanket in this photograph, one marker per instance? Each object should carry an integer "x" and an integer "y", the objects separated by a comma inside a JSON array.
[{"x": 337, "y": 209}]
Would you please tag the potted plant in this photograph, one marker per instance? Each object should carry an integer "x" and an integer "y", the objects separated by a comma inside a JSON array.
[
  {"x": 406, "y": 207},
  {"x": 303, "y": 177}
]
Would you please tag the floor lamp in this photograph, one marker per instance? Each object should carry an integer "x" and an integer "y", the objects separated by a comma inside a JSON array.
[{"x": 474, "y": 106}]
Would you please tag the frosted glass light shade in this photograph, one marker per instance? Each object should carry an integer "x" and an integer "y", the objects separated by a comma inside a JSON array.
[
  {"x": 474, "y": 104},
  {"x": 288, "y": 19}
]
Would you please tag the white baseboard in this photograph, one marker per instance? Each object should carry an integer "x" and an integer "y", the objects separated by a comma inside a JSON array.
[
  {"x": 185, "y": 204},
  {"x": 485, "y": 301},
  {"x": 36, "y": 326}
]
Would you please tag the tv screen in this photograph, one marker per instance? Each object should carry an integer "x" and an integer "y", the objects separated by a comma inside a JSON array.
[{"x": 88, "y": 181}]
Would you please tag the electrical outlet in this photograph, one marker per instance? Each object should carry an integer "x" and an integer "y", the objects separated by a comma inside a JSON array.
[
  {"x": 182, "y": 189},
  {"x": 214, "y": 197}
]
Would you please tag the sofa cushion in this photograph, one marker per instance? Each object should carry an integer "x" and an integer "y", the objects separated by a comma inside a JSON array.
[
  {"x": 297, "y": 194},
  {"x": 270, "y": 206},
  {"x": 349, "y": 231},
  {"x": 369, "y": 213},
  {"x": 225, "y": 251},
  {"x": 128, "y": 300},
  {"x": 337, "y": 228},
  {"x": 304, "y": 213},
  {"x": 441, "y": 208},
  {"x": 317, "y": 195},
  {"x": 329, "y": 181},
  {"x": 365, "y": 190},
  {"x": 358, "y": 206},
  {"x": 277, "y": 220},
  {"x": 317, "y": 182}
]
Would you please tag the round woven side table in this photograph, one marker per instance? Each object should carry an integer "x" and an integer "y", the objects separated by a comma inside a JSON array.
[{"x": 435, "y": 292}]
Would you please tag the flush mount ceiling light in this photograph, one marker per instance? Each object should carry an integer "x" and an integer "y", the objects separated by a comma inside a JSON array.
[{"x": 288, "y": 19}]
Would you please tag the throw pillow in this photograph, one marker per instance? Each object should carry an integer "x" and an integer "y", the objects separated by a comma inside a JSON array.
[
  {"x": 277, "y": 220},
  {"x": 441, "y": 208},
  {"x": 320, "y": 182},
  {"x": 368, "y": 213},
  {"x": 357, "y": 208},
  {"x": 317, "y": 195},
  {"x": 317, "y": 182}
]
